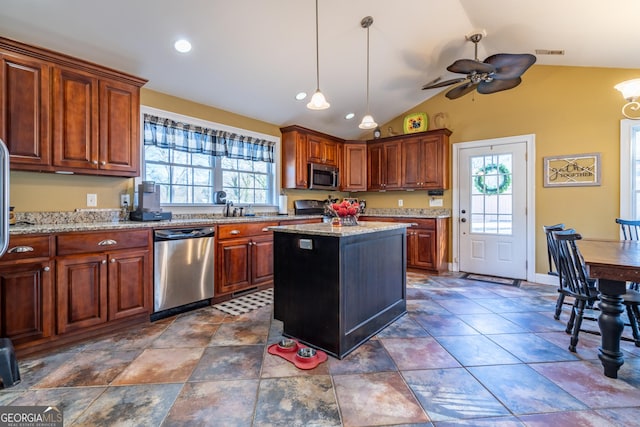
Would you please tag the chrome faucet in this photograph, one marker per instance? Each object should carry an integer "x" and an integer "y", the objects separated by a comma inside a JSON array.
[{"x": 226, "y": 211}]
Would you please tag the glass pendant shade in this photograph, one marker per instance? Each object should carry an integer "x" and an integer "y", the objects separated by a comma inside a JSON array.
[
  {"x": 630, "y": 89},
  {"x": 368, "y": 122},
  {"x": 318, "y": 102}
]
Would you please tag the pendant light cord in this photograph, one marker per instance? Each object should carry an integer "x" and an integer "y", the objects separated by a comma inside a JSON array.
[
  {"x": 317, "y": 52},
  {"x": 368, "y": 68}
]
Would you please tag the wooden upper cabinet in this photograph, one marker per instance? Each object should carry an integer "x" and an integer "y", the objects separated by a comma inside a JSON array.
[
  {"x": 425, "y": 161},
  {"x": 412, "y": 161},
  {"x": 301, "y": 146},
  {"x": 75, "y": 119},
  {"x": 384, "y": 166},
  {"x": 119, "y": 128},
  {"x": 24, "y": 110},
  {"x": 354, "y": 166},
  {"x": 59, "y": 113},
  {"x": 322, "y": 150},
  {"x": 294, "y": 160}
]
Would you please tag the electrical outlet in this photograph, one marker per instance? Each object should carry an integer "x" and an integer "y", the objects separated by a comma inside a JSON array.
[
  {"x": 400, "y": 203},
  {"x": 92, "y": 200},
  {"x": 125, "y": 200},
  {"x": 435, "y": 202}
]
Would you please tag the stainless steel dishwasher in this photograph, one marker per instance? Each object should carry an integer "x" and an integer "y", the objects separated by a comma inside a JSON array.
[{"x": 183, "y": 269}]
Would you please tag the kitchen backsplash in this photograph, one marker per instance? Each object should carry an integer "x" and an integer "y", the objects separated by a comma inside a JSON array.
[{"x": 82, "y": 216}]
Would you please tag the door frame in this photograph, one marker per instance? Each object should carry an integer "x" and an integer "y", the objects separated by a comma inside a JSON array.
[{"x": 530, "y": 140}]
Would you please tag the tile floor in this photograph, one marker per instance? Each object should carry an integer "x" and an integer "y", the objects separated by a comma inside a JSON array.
[{"x": 467, "y": 354}]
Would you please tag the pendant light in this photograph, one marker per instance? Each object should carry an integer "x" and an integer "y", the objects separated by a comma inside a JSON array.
[
  {"x": 367, "y": 121},
  {"x": 318, "y": 101}
]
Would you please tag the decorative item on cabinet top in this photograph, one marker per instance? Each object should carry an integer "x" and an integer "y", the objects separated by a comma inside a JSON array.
[{"x": 415, "y": 122}]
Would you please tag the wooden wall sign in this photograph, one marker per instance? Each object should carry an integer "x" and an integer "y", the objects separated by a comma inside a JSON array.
[{"x": 572, "y": 170}]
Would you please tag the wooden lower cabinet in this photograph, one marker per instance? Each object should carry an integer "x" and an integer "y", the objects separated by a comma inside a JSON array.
[
  {"x": 129, "y": 284},
  {"x": 81, "y": 292},
  {"x": 26, "y": 301},
  {"x": 96, "y": 287},
  {"x": 427, "y": 247},
  {"x": 57, "y": 289},
  {"x": 244, "y": 257},
  {"x": 27, "y": 290}
]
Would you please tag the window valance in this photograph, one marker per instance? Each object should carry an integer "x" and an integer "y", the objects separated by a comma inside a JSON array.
[{"x": 167, "y": 133}]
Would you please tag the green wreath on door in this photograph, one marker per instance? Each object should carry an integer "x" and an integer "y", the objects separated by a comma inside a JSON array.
[{"x": 503, "y": 177}]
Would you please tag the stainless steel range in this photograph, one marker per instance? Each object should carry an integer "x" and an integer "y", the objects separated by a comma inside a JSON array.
[{"x": 309, "y": 207}]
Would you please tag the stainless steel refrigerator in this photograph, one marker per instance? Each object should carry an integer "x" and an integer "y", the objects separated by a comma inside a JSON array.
[{"x": 4, "y": 198}]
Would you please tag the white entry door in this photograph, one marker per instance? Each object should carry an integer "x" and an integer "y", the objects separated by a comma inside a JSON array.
[{"x": 492, "y": 209}]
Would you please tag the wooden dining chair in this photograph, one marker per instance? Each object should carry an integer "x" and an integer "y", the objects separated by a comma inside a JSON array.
[
  {"x": 572, "y": 274},
  {"x": 552, "y": 255},
  {"x": 573, "y": 280},
  {"x": 630, "y": 231}
]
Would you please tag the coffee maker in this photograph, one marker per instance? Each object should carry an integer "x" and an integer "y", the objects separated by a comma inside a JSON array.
[{"x": 149, "y": 204}]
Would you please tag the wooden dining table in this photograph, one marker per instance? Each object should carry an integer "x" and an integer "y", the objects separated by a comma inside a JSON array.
[{"x": 613, "y": 263}]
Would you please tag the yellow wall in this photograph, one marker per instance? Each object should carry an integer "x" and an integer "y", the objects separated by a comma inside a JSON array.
[{"x": 570, "y": 110}]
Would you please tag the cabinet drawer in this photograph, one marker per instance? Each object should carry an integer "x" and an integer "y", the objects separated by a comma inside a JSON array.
[
  {"x": 22, "y": 247},
  {"x": 227, "y": 231},
  {"x": 73, "y": 243}
]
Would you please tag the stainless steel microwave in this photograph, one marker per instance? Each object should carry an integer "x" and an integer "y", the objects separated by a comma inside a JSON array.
[{"x": 323, "y": 177}]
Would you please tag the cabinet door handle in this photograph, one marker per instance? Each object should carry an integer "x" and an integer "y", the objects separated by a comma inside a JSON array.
[
  {"x": 95, "y": 162},
  {"x": 104, "y": 261},
  {"x": 234, "y": 232},
  {"x": 103, "y": 163},
  {"x": 46, "y": 269},
  {"x": 20, "y": 249},
  {"x": 107, "y": 242},
  {"x": 265, "y": 229},
  {"x": 113, "y": 260}
]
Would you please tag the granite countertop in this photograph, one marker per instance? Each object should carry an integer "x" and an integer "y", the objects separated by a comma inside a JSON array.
[
  {"x": 111, "y": 219},
  {"x": 326, "y": 229},
  {"x": 124, "y": 225},
  {"x": 408, "y": 212}
]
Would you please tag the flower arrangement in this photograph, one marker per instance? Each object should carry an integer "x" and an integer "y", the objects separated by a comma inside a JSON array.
[{"x": 346, "y": 211}]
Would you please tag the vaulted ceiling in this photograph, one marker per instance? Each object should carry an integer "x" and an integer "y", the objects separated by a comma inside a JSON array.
[{"x": 252, "y": 57}]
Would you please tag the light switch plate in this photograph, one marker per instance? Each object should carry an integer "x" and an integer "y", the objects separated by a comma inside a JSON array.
[
  {"x": 433, "y": 202},
  {"x": 125, "y": 200},
  {"x": 92, "y": 200}
]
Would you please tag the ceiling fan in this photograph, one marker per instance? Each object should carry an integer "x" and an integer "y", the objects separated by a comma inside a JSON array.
[{"x": 498, "y": 72}]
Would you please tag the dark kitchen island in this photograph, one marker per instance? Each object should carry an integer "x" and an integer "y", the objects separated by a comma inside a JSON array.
[{"x": 335, "y": 287}]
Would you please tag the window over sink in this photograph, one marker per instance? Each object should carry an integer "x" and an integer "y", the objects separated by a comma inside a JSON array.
[{"x": 191, "y": 159}]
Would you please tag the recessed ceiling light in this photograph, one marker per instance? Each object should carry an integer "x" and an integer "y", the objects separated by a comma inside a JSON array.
[
  {"x": 301, "y": 95},
  {"x": 349, "y": 116},
  {"x": 182, "y": 46}
]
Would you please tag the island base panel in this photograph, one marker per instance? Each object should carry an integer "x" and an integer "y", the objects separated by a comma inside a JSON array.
[{"x": 342, "y": 291}]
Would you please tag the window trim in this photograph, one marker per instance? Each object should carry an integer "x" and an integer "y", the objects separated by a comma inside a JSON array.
[
  {"x": 626, "y": 160},
  {"x": 198, "y": 208}
]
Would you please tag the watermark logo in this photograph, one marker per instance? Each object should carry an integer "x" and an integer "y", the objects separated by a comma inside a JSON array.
[{"x": 30, "y": 416}]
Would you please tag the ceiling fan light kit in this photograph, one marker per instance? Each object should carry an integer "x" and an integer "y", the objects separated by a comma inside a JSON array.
[
  {"x": 318, "y": 101},
  {"x": 367, "y": 120},
  {"x": 498, "y": 72},
  {"x": 630, "y": 90}
]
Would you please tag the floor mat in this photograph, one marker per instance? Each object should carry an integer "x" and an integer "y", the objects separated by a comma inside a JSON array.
[
  {"x": 246, "y": 303},
  {"x": 492, "y": 279}
]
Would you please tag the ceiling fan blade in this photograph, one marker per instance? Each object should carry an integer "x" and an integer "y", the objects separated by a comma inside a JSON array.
[
  {"x": 467, "y": 66},
  {"x": 461, "y": 90},
  {"x": 443, "y": 83},
  {"x": 510, "y": 65},
  {"x": 498, "y": 85}
]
